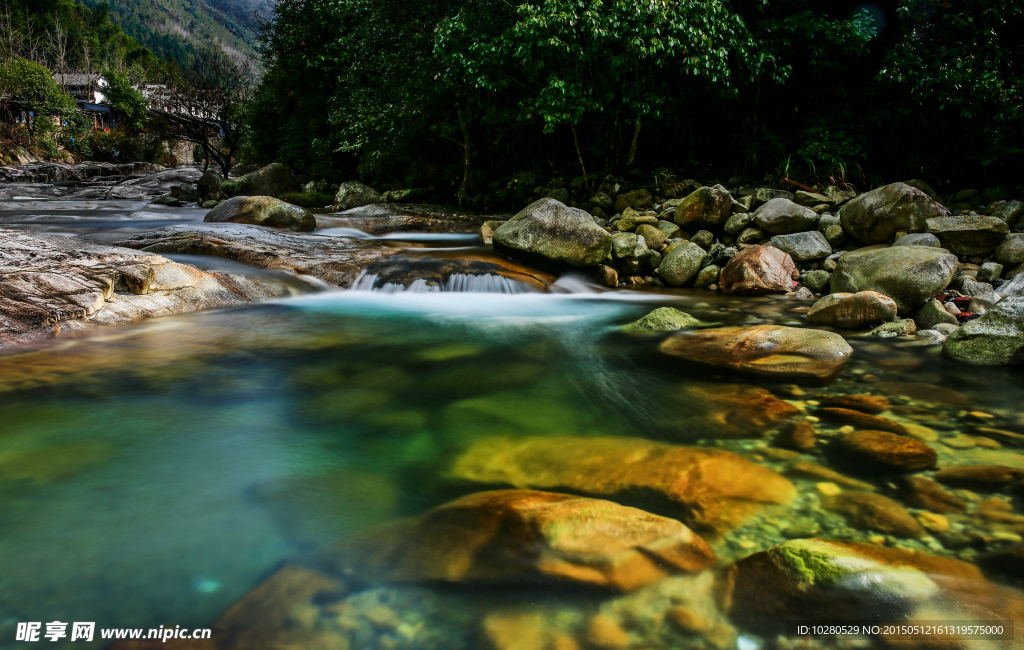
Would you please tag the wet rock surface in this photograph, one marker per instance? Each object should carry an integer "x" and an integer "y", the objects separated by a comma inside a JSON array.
[
  {"x": 337, "y": 260},
  {"x": 910, "y": 275},
  {"x": 51, "y": 281},
  {"x": 517, "y": 536},
  {"x": 711, "y": 489},
  {"x": 386, "y": 218},
  {"x": 263, "y": 211},
  {"x": 765, "y": 350}
]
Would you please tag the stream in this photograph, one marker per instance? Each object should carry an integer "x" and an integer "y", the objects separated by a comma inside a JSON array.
[{"x": 154, "y": 473}]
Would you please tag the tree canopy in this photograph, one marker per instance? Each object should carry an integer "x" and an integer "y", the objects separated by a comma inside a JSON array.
[{"x": 461, "y": 94}]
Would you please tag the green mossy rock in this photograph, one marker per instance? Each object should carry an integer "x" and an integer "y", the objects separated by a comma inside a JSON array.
[
  {"x": 663, "y": 319},
  {"x": 910, "y": 275},
  {"x": 271, "y": 180},
  {"x": 995, "y": 339},
  {"x": 552, "y": 230},
  {"x": 263, "y": 211}
]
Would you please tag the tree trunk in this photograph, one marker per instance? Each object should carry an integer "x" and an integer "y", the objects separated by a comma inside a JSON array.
[
  {"x": 464, "y": 124},
  {"x": 632, "y": 146},
  {"x": 579, "y": 155}
]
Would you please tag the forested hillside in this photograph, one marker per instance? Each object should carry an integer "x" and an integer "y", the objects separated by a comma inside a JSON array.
[{"x": 175, "y": 28}]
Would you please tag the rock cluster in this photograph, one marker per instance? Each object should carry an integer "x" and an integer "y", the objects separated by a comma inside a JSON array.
[{"x": 859, "y": 254}]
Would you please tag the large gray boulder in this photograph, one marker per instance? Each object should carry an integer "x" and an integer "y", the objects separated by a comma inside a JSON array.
[
  {"x": 263, "y": 211},
  {"x": 919, "y": 239},
  {"x": 353, "y": 194},
  {"x": 272, "y": 180},
  {"x": 208, "y": 186},
  {"x": 554, "y": 231},
  {"x": 782, "y": 216},
  {"x": 910, "y": 275},
  {"x": 803, "y": 246},
  {"x": 853, "y": 310},
  {"x": 1011, "y": 251},
  {"x": 1010, "y": 212},
  {"x": 997, "y": 338},
  {"x": 681, "y": 264},
  {"x": 875, "y": 216},
  {"x": 969, "y": 235}
]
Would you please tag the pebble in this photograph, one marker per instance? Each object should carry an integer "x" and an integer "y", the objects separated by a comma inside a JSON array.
[
  {"x": 933, "y": 522},
  {"x": 1004, "y": 536},
  {"x": 960, "y": 441},
  {"x": 922, "y": 433},
  {"x": 885, "y": 450},
  {"x": 828, "y": 489},
  {"x": 812, "y": 471},
  {"x": 873, "y": 404}
]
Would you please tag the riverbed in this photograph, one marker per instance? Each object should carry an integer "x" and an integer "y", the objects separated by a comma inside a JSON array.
[{"x": 154, "y": 473}]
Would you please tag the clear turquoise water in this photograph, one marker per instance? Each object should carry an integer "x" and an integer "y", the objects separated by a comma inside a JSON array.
[{"x": 153, "y": 474}]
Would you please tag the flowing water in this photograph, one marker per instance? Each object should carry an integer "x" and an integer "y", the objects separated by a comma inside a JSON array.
[{"x": 153, "y": 474}]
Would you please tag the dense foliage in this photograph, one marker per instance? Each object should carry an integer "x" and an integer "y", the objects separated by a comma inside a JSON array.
[{"x": 459, "y": 94}]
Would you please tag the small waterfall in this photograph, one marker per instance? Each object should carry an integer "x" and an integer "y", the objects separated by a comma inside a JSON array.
[{"x": 456, "y": 283}]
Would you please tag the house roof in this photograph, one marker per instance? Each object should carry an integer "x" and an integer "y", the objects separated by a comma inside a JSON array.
[{"x": 75, "y": 78}]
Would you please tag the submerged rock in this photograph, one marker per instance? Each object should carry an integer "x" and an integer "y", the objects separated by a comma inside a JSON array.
[
  {"x": 758, "y": 270},
  {"x": 263, "y": 211},
  {"x": 271, "y": 615},
  {"x": 732, "y": 410},
  {"x": 272, "y": 180},
  {"x": 873, "y": 404},
  {"x": 765, "y": 350},
  {"x": 710, "y": 489},
  {"x": 853, "y": 310},
  {"x": 923, "y": 492},
  {"x": 813, "y": 579},
  {"x": 553, "y": 231},
  {"x": 979, "y": 477},
  {"x": 517, "y": 536},
  {"x": 663, "y": 319},
  {"x": 867, "y": 510},
  {"x": 875, "y": 216},
  {"x": 882, "y": 450},
  {"x": 910, "y": 275}
]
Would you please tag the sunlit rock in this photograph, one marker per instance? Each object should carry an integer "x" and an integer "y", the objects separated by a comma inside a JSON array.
[
  {"x": 775, "y": 351},
  {"x": 516, "y": 536},
  {"x": 710, "y": 489}
]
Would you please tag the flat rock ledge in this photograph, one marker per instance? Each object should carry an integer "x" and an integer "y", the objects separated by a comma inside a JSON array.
[
  {"x": 385, "y": 218},
  {"x": 337, "y": 260},
  {"x": 49, "y": 282}
]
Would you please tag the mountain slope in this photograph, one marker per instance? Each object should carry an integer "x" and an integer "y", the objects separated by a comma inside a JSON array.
[{"x": 174, "y": 28}]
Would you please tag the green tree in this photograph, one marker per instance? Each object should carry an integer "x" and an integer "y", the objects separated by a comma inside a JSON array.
[
  {"x": 568, "y": 61},
  {"x": 964, "y": 57},
  {"x": 127, "y": 103},
  {"x": 31, "y": 86}
]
